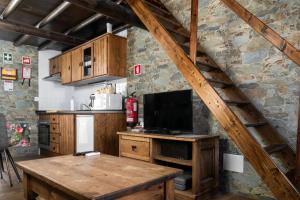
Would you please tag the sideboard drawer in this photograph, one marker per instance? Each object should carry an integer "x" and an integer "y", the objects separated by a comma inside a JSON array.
[
  {"x": 54, "y": 147},
  {"x": 54, "y": 128},
  {"x": 55, "y": 138},
  {"x": 137, "y": 149},
  {"x": 54, "y": 118}
]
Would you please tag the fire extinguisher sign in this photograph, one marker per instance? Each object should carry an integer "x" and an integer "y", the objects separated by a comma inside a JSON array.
[{"x": 137, "y": 70}]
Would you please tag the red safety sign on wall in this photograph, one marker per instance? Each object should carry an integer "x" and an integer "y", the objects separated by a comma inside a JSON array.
[
  {"x": 26, "y": 60},
  {"x": 137, "y": 70}
]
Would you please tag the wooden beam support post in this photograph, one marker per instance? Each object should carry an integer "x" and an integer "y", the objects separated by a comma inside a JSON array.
[
  {"x": 260, "y": 27},
  {"x": 31, "y": 30},
  {"x": 194, "y": 30},
  {"x": 110, "y": 9}
]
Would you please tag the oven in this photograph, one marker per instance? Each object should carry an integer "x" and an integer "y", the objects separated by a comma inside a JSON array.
[{"x": 44, "y": 134}]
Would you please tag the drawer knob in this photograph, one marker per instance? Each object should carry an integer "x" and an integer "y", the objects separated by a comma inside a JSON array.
[{"x": 133, "y": 148}]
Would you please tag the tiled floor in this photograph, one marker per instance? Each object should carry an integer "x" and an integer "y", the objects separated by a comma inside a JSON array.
[{"x": 16, "y": 192}]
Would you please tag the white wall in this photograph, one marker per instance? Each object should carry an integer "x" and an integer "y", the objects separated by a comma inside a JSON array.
[
  {"x": 52, "y": 95},
  {"x": 82, "y": 94}
]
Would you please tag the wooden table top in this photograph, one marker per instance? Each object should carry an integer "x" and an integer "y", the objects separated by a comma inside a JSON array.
[{"x": 97, "y": 177}]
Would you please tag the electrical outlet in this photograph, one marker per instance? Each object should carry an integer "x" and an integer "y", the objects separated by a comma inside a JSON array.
[{"x": 234, "y": 163}]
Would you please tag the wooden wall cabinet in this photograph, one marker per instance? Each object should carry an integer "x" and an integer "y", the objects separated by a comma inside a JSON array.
[
  {"x": 110, "y": 54},
  {"x": 66, "y": 72},
  {"x": 55, "y": 65},
  {"x": 88, "y": 61},
  {"x": 203, "y": 163},
  {"x": 77, "y": 63},
  {"x": 103, "y": 57}
]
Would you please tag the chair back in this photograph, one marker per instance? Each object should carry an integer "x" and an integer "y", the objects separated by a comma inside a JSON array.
[{"x": 3, "y": 133}]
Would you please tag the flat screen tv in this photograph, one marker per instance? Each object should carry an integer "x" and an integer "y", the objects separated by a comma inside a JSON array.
[{"x": 168, "y": 112}]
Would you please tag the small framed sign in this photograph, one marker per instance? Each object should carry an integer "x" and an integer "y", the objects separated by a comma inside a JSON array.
[
  {"x": 8, "y": 73},
  {"x": 7, "y": 58},
  {"x": 26, "y": 73}
]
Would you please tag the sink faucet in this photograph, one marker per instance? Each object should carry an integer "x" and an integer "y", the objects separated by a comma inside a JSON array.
[{"x": 84, "y": 105}]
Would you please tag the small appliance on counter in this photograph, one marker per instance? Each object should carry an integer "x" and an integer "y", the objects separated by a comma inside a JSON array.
[{"x": 107, "y": 102}]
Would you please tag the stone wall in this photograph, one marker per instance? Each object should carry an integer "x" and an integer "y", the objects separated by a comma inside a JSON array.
[
  {"x": 18, "y": 106},
  {"x": 263, "y": 73},
  {"x": 159, "y": 74}
]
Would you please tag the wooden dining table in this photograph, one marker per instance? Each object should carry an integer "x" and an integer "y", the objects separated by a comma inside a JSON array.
[{"x": 96, "y": 177}]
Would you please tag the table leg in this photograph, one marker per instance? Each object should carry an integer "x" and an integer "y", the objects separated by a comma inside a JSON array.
[
  {"x": 169, "y": 190},
  {"x": 28, "y": 194}
]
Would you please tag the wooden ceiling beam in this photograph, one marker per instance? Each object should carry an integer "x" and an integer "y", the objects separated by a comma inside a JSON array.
[
  {"x": 110, "y": 9},
  {"x": 33, "y": 31}
]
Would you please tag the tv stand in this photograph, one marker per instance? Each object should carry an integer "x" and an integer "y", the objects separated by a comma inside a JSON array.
[{"x": 203, "y": 161}]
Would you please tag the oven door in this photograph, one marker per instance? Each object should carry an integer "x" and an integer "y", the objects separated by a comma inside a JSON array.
[{"x": 44, "y": 134}]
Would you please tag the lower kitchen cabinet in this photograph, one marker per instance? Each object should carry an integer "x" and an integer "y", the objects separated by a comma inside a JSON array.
[
  {"x": 61, "y": 132},
  {"x": 106, "y": 125},
  {"x": 106, "y": 128}
]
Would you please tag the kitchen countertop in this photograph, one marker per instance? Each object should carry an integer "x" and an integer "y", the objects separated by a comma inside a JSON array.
[{"x": 78, "y": 111}]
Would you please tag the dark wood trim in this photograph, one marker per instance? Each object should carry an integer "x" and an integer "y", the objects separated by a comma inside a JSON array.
[
  {"x": 297, "y": 172},
  {"x": 194, "y": 30},
  {"x": 260, "y": 27},
  {"x": 31, "y": 30},
  {"x": 278, "y": 183},
  {"x": 110, "y": 9}
]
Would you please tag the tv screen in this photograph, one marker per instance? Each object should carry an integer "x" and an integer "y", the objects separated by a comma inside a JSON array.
[{"x": 168, "y": 111}]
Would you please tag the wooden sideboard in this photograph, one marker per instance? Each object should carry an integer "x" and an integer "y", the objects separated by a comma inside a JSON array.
[{"x": 204, "y": 162}]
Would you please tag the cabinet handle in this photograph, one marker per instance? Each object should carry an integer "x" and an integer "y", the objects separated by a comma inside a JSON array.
[
  {"x": 94, "y": 59},
  {"x": 69, "y": 67},
  {"x": 53, "y": 138},
  {"x": 81, "y": 63},
  {"x": 54, "y": 66},
  {"x": 133, "y": 148}
]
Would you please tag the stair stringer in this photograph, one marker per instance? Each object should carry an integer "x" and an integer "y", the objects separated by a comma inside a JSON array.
[{"x": 278, "y": 183}]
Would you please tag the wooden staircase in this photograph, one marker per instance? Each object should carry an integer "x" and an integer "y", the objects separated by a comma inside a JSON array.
[{"x": 260, "y": 143}]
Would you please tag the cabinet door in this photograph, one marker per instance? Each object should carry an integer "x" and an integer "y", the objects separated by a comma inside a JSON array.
[
  {"x": 66, "y": 76},
  {"x": 117, "y": 53},
  {"x": 106, "y": 128},
  {"x": 76, "y": 64},
  {"x": 58, "y": 61},
  {"x": 100, "y": 133},
  {"x": 87, "y": 53},
  {"x": 67, "y": 134},
  {"x": 52, "y": 66},
  {"x": 100, "y": 57}
]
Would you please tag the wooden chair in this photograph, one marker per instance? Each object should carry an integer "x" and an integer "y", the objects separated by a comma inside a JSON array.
[{"x": 4, "y": 144}]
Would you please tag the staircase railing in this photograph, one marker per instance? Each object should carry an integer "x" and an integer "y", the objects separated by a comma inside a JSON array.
[{"x": 260, "y": 27}]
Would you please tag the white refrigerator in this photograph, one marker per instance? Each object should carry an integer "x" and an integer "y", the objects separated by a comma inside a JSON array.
[{"x": 84, "y": 133}]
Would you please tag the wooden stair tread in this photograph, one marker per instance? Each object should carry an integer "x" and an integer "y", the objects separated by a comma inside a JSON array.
[
  {"x": 236, "y": 102},
  {"x": 186, "y": 48},
  {"x": 274, "y": 148},
  {"x": 220, "y": 83},
  {"x": 207, "y": 67},
  {"x": 255, "y": 124}
]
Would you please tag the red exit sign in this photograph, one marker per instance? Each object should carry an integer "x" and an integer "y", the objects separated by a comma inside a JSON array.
[
  {"x": 26, "y": 60},
  {"x": 137, "y": 70}
]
